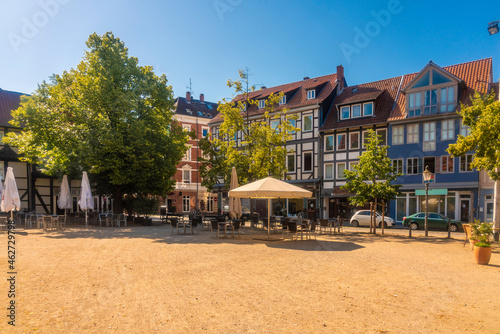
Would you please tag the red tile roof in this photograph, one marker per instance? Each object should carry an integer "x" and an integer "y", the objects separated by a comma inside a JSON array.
[
  {"x": 383, "y": 92},
  {"x": 9, "y": 101},
  {"x": 475, "y": 75},
  {"x": 324, "y": 86}
]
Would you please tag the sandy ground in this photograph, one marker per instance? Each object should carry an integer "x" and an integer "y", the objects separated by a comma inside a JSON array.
[{"x": 144, "y": 280}]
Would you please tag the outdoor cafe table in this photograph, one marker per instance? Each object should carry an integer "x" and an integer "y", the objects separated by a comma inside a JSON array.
[
  {"x": 184, "y": 223},
  {"x": 225, "y": 224}
]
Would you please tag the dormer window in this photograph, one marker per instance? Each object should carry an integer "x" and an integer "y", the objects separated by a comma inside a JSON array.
[
  {"x": 283, "y": 99},
  {"x": 356, "y": 110},
  {"x": 434, "y": 91},
  {"x": 262, "y": 104},
  {"x": 311, "y": 94}
]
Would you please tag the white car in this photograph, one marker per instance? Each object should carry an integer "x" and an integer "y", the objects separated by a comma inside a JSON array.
[{"x": 362, "y": 218}]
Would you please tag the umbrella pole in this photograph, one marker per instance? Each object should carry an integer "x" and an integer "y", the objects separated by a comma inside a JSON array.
[
  {"x": 86, "y": 223},
  {"x": 268, "y": 217}
]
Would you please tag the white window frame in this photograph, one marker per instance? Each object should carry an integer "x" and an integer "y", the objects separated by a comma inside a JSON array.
[
  {"x": 283, "y": 100},
  {"x": 186, "y": 127},
  {"x": 304, "y": 161},
  {"x": 410, "y": 163},
  {"x": 2, "y": 170},
  {"x": 203, "y": 128},
  {"x": 448, "y": 158},
  {"x": 333, "y": 143},
  {"x": 364, "y": 134},
  {"x": 338, "y": 165},
  {"x": 329, "y": 165},
  {"x": 350, "y": 140},
  {"x": 339, "y": 141},
  {"x": 384, "y": 140},
  {"x": 288, "y": 157},
  {"x": 311, "y": 94},
  {"x": 304, "y": 123},
  {"x": 429, "y": 144},
  {"x": 373, "y": 112},
  {"x": 352, "y": 164},
  {"x": 186, "y": 203},
  {"x": 413, "y": 133},
  {"x": 184, "y": 179},
  {"x": 262, "y": 104},
  {"x": 2, "y": 134},
  {"x": 468, "y": 160},
  {"x": 447, "y": 131},
  {"x": 348, "y": 108},
  {"x": 360, "y": 110},
  {"x": 398, "y": 135},
  {"x": 293, "y": 123},
  {"x": 274, "y": 123},
  {"x": 187, "y": 155},
  {"x": 398, "y": 166},
  {"x": 464, "y": 129}
]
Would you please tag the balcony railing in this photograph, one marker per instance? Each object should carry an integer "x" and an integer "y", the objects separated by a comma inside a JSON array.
[{"x": 440, "y": 108}]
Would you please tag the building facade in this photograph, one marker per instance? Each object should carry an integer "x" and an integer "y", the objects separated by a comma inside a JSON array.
[
  {"x": 309, "y": 100},
  {"x": 343, "y": 135},
  {"x": 189, "y": 194},
  {"x": 422, "y": 128}
]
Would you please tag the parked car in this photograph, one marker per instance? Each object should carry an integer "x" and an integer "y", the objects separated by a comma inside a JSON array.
[
  {"x": 362, "y": 218},
  {"x": 435, "y": 221}
]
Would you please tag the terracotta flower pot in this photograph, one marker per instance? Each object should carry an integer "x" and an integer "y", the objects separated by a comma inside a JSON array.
[
  {"x": 482, "y": 254},
  {"x": 472, "y": 242}
]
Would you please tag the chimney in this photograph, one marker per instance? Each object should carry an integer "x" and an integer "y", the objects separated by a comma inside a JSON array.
[
  {"x": 202, "y": 98},
  {"x": 340, "y": 77},
  {"x": 188, "y": 96},
  {"x": 306, "y": 78}
]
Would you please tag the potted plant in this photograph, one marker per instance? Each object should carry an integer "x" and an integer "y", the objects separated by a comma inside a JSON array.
[
  {"x": 146, "y": 206},
  {"x": 481, "y": 233}
]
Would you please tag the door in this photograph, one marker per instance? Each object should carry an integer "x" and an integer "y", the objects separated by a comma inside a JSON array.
[
  {"x": 332, "y": 208},
  {"x": 488, "y": 212},
  {"x": 311, "y": 209},
  {"x": 464, "y": 209}
]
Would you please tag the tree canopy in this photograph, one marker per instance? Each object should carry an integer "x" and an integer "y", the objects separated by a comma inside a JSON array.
[
  {"x": 250, "y": 143},
  {"x": 108, "y": 116},
  {"x": 373, "y": 178},
  {"x": 483, "y": 120}
]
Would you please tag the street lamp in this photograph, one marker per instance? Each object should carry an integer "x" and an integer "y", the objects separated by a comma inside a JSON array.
[
  {"x": 493, "y": 27},
  {"x": 427, "y": 179}
]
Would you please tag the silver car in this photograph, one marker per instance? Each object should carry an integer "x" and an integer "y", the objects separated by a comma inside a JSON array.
[{"x": 362, "y": 218}]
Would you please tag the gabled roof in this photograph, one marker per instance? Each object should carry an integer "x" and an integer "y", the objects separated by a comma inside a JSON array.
[
  {"x": 383, "y": 92},
  {"x": 475, "y": 76},
  {"x": 296, "y": 94},
  {"x": 430, "y": 64},
  {"x": 195, "y": 108},
  {"x": 9, "y": 101}
]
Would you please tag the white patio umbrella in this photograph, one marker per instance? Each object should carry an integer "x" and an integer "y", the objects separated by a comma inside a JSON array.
[
  {"x": 86, "y": 201},
  {"x": 269, "y": 188},
  {"x": 234, "y": 202},
  {"x": 64, "y": 198},
  {"x": 10, "y": 197}
]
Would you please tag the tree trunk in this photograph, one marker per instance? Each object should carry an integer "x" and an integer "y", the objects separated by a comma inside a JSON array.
[
  {"x": 118, "y": 198},
  {"x": 375, "y": 217},
  {"x": 383, "y": 216}
]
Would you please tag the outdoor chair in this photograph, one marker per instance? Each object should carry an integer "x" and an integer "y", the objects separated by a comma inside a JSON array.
[
  {"x": 323, "y": 225},
  {"x": 3, "y": 224},
  {"x": 235, "y": 226},
  {"x": 122, "y": 219},
  {"x": 291, "y": 230},
  {"x": 174, "y": 223},
  {"x": 468, "y": 233},
  {"x": 102, "y": 218},
  {"x": 214, "y": 225}
]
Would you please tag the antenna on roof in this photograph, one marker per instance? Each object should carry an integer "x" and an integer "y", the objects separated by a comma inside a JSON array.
[{"x": 188, "y": 88}]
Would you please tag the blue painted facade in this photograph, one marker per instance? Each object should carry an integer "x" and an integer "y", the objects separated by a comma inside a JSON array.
[{"x": 419, "y": 135}]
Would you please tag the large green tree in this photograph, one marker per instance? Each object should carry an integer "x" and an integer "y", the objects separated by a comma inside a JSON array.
[
  {"x": 108, "y": 116},
  {"x": 373, "y": 179},
  {"x": 245, "y": 140},
  {"x": 483, "y": 120}
]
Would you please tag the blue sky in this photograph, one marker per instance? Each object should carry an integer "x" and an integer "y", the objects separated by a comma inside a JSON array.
[{"x": 278, "y": 41}]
